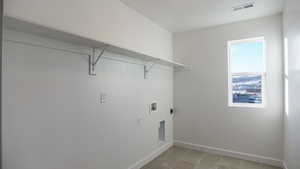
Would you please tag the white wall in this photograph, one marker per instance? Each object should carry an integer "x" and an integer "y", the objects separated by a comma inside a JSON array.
[
  {"x": 202, "y": 116},
  {"x": 292, "y": 116},
  {"x": 108, "y": 21},
  {"x": 52, "y": 116}
]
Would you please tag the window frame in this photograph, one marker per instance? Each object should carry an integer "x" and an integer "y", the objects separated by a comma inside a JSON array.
[
  {"x": 263, "y": 74},
  {"x": 286, "y": 76}
]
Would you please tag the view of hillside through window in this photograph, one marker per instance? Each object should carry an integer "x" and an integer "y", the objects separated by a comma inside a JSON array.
[{"x": 246, "y": 71}]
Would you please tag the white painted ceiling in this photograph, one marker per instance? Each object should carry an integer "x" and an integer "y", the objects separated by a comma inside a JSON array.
[{"x": 183, "y": 15}]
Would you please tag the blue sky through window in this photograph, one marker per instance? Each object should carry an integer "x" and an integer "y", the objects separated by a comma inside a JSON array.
[{"x": 246, "y": 57}]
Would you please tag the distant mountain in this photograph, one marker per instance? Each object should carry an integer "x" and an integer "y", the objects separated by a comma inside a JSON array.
[{"x": 245, "y": 78}]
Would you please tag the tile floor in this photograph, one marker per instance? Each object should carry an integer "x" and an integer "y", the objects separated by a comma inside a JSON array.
[{"x": 182, "y": 158}]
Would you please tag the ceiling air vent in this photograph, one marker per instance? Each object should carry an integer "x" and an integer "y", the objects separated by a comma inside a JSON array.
[{"x": 243, "y": 6}]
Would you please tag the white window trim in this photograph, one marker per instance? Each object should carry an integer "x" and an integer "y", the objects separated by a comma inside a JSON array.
[
  {"x": 286, "y": 76},
  {"x": 249, "y": 105}
]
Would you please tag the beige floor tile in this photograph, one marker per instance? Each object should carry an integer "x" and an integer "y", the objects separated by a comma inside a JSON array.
[
  {"x": 177, "y": 150},
  {"x": 184, "y": 165},
  {"x": 156, "y": 165},
  {"x": 209, "y": 161},
  {"x": 269, "y": 167},
  {"x": 211, "y": 157},
  {"x": 170, "y": 162},
  {"x": 173, "y": 155},
  {"x": 229, "y": 162},
  {"x": 153, "y": 164},
  {"x": 221, "y": 166},
  {"x": 193, "y": 157},
  {"x": 250, "y": 165},
  {"x": 163, "y": 156},
  {"x": 182, "y": 158}
]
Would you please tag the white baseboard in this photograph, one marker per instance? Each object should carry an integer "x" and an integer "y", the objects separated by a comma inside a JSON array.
[
  {"x": 284, "y": 165},
  {"x": 151, "y": 156},
  {"x": 240, "y": 155}
]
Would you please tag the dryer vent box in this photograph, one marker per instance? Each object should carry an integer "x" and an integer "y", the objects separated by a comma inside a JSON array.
[{"x": 162, "y": 131}]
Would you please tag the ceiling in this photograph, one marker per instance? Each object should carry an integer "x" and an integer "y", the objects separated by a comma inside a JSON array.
[{"x": 183, "y": 15}]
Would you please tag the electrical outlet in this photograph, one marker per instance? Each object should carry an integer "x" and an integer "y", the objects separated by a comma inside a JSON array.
[{"x": 102, "y": 98}]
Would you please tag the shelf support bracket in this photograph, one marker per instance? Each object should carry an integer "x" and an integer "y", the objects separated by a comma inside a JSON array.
[
  {"x": 147, "y": 69},
  {"x": 93, "y": 60}
]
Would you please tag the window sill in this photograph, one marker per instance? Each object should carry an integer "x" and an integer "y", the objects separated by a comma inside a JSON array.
[{"x": 246, "y": 105}]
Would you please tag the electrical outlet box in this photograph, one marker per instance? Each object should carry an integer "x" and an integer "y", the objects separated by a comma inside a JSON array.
[
  {"x": 171, "y": 111},
  {"x": 153, "y": 107},
  {"x": 102, "y": 98}
]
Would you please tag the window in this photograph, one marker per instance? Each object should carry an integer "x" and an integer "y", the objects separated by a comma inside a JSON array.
[{"x": 246, "y": 72}]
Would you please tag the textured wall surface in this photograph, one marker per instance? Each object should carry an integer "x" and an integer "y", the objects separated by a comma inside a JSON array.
[
  {"x": 200, "y": 95},
  {"x": 292, "y": 114},
  {"x": 53, "y": 118},
  {"x": 108, "y": 21}
]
